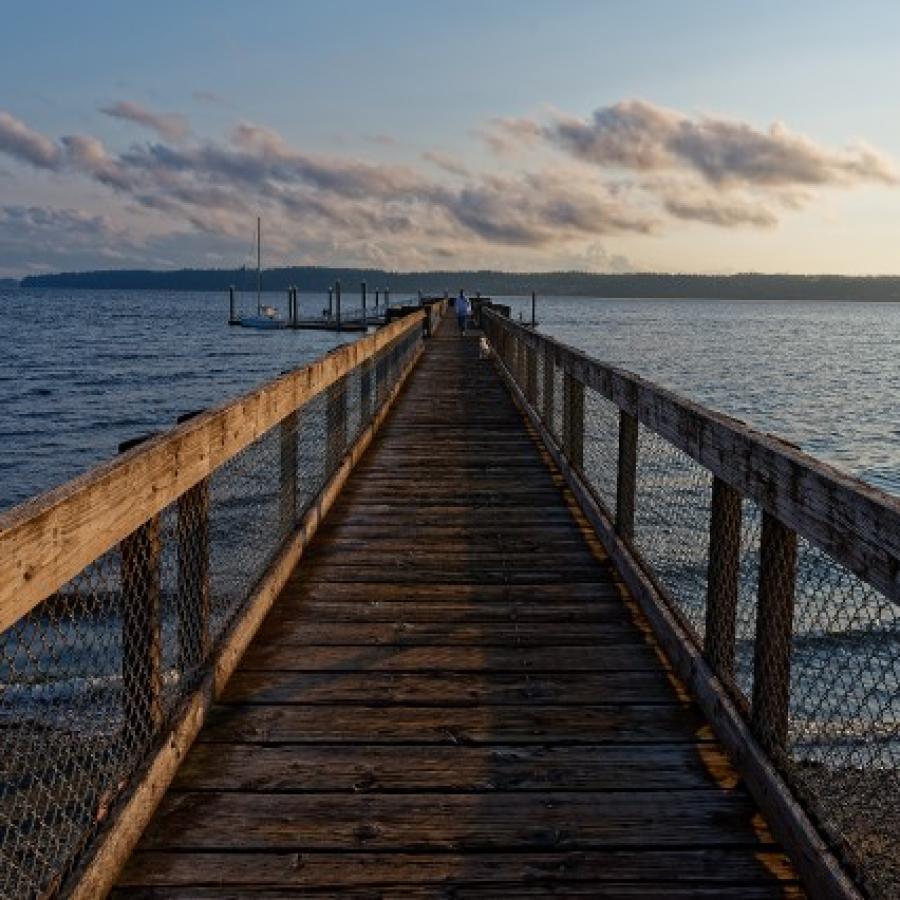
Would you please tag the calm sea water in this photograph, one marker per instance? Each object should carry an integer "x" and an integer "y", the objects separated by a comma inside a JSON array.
[
  {"x": 825, "y": 376},
  {"x": 81, "y": 371}
]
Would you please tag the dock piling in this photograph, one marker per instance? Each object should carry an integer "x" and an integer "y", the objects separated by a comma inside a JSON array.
[
  {"x": 362, "y": 297},
  {"x": 232, "y": 319},
  {"x": 337, "y": 303}
]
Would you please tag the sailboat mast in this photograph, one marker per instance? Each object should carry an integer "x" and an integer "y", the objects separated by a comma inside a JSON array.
[{"x": 258, "y": 269}]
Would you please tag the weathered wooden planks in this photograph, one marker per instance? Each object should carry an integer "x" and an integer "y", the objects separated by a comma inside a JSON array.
[
  {"x": 403, "y": 725},
  {"x": 432, "y": 871},
  {"x": 432, "y": 821},
  {"x": 331, "y": 767},
  {"x": 624, "y": 656},
  {"x": 454, "y": 696}
]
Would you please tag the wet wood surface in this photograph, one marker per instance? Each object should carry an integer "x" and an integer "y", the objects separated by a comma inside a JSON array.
[{"x": 455, "y": 696}]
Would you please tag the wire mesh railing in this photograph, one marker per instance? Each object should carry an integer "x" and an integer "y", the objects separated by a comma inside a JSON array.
[
  {"x": 95, "y": 670},
  {"x": 782, "y": 572}
]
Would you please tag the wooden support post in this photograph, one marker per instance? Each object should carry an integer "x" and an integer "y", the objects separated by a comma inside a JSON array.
[
  {"x": 722, "y": 578},
  {"x": 387, "y": 297},
  {"x": 626, "y": 480},
  {"x": 232, "y": 318},
  {"x": 330, "y": 302},
  {"x": 531, "y": 375},
  {"x": 380, "y": 390},
  {"x": 377, "y": 292},
  {"x": 573, "y": 420},
  {"x": 336, "y": 419},
  {"x": 365, "y": 391},
  {"x": 287, "y": 501},
  {"x": 549, "y": 386},
  {"x": 193, "y": 576},
  {"x": 337, "y": 303},
  {"x": 533, "y": 310},
  {"x": 362, "y": 297},
  {"x": 141, "y": 633},
  {"x": 141, "y": 624},
  {"x": 774, "y": 626}
]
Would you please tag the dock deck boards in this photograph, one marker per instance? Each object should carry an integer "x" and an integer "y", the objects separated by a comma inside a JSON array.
[{"x": 454, "y": 696}]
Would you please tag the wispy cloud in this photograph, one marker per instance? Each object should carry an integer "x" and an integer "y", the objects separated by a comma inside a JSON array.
[
  {"x": 641, "y": 136},
  {"x": 171, "y": 126},
  {"x": 447, "y": 162},
  {"x": 509, "y": 137},
  {"x": 631, "y": 169},
  {"x": 26, "y": 145}
]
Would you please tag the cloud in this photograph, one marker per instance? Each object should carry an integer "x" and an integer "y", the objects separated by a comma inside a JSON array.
[
  {"x": 88, "y": 155},
  {"x": 508, "y": 137},
  {"x": 540, "y": 209},
  {"x": 170, "y": 126},
  {"x": 713, "y": 209},
  {"x": 23, "y": 143},
  {"x": 632, "y": 169},
  {"x": 35, "y": 238},
  {"x": 641, "y": 136},
  {"x": 447, "y": 162}
]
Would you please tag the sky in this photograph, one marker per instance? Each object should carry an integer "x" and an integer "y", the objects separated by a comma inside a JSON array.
[{"x": 671, "y": 136}]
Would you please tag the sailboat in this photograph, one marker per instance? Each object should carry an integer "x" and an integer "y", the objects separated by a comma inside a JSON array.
[{"x": 266, "y": 316}]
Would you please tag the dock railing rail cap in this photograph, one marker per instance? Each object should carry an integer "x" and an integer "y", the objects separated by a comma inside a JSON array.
[
  {"x": 48, "y": 539},
  {"x": 855, "y": 522}
]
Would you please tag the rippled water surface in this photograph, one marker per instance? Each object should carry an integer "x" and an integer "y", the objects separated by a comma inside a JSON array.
[
  {"x": 825, "y": 376},
  {"x": 81, "y": 371}
]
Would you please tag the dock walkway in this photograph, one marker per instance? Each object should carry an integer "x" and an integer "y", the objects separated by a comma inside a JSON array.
[{"x": 455, "y": 696}]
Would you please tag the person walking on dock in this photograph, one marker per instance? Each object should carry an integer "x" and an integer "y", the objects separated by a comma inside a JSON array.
[{"x": 463, "y": 308}]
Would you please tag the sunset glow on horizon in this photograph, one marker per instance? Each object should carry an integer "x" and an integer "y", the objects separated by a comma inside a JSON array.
[{"x": 521, "y": 137}]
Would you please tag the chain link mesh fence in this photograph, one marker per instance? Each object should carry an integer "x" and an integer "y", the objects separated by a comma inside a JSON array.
[
  {"x": 93, "y": 676},
  {"x": 809, "y": 652}
]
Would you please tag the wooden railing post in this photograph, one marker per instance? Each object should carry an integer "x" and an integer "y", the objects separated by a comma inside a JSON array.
[
  {"x": 141, "y": 633},
  {"x": 380, "y": 378},
  {"x": 287, "y": 501},
  {"x": 626, "y": 481},
  {"x": 193, "y": 576},
  {"x": 549, "y": 385},
  {"x": 573, "y": 420},
  {"x": 722, "y": 577},
  {"x": 141, "y": 624},
  {"x": 336, "y": 421},
  {"x": 774, "y": 626},
  {"x": 531, "y": 377},
  {"x": 365, "y": 391}
]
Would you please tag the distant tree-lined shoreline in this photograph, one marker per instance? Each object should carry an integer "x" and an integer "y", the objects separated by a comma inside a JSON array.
[{"x": 750, "y": 286}]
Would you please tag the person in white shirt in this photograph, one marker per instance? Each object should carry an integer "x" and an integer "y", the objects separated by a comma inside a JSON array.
[{"x": 463, "y": 310}]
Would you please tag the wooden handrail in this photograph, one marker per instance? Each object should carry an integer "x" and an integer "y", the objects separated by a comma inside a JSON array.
[
  {"x": 50, "y": 539},
  {"x": 854, "y": 522}
]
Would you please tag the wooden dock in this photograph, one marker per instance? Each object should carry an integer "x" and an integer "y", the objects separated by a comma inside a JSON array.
[
  {"x": 404, "y": 622},
  {"x": 455, "y": 695}
]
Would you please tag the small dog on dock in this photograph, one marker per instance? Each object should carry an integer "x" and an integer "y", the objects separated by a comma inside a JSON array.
[{"x": 484, "y": 348}]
